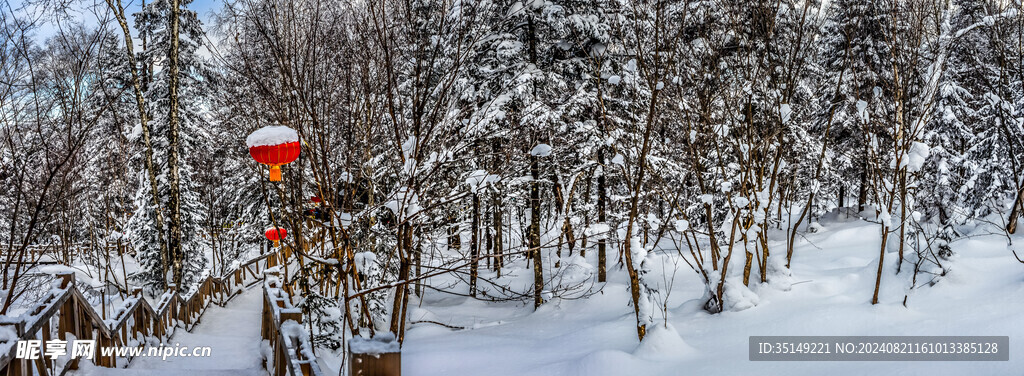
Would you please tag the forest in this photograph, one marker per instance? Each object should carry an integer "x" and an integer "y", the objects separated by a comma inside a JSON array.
[{"x": 474, "y": 161}]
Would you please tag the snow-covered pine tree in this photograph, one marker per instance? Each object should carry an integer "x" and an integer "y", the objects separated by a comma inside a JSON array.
[
  {"x": 512, "y": 78},
  {"x": 108, "y": 179},
  {"x": 586, "y": 53},
  {"x": 855, "y": 54},
  {"x": 193, "y": 89},
  {"x": 996, "y": 164},
  {"x": 951, "y": 133}
]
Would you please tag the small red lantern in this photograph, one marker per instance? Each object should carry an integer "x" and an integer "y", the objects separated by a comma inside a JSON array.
[
  {"x": 276, "y": 234},
  {"x": 274, "y": 146}
]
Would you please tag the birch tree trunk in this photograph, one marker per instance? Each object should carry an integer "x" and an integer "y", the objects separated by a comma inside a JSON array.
[
  {"x": 118, "y": 9},
  {"x": 174, "y": 243}
]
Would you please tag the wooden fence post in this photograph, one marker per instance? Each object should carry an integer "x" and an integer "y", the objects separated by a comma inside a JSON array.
[
  {"x": 378, "y": 356},
  {"x": 68, "y": 320}
]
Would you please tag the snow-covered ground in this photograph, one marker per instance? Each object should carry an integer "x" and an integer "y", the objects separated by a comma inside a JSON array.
[
  {"x": 828, "y": 294},
  {"x": 832, "y": 283}
]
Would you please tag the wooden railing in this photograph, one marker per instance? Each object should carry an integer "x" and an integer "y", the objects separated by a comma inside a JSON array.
[
  {"x": 282, "y": 326},
  {"x": 66, "y": 311}
]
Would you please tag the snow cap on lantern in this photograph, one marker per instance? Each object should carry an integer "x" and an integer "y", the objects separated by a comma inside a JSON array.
[
  {"x": 275, "y": 234},
  {"x": 274, "y": 146}
]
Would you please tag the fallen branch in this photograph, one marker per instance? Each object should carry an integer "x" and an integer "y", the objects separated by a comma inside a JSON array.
[{"x": 438, "y": 323}]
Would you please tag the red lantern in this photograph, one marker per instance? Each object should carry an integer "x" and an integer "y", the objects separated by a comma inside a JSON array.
[
  {"x": 276, "y": 234},
  {"x": 274, "y": 146}
]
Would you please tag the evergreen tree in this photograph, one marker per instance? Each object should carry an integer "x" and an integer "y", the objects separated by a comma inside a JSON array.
[
  {"x": 951, "y": 134},
  {"x": 194, "y": 80},
  {"x": 855, "y": 54}
]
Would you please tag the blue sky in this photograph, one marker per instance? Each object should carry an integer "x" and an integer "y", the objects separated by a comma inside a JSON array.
[{"x": 204, "y": 7}]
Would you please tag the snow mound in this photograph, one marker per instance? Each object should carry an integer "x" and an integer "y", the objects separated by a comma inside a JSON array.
[
  {"x": 364, "y": 261},
  {"x": 575, "y": 271},
  {"x": 779, "y": 276},
  {"x": 272, "y": 135},
  {"x": 663, "y": 342},
  {"x": 738, "y": 297},
  {"x": 480, "y": 178}
]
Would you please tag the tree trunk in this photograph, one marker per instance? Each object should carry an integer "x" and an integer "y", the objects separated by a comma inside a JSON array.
[
  {"x": 454, "y": 235},
  {"x": 881, "y": 263},
  {"x": 602, "y": 217},
  {"x": 634, "y": 203},
  {"x": 474, "y": 246},
  {"x": 497, "y": 244},
  {"x": 842, "y": 196},
  {"x": 1018, "y": 207},
  {"x": 534, "y": 236},
  {"x": 402, "y": 290},
  {"x": 862, "y": 196},
  {"x": 173, "y": 160},
  {"x": 496, "y": 221}
]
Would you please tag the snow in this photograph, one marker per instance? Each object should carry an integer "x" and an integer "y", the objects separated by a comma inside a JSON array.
[
  {"x": 383, "y": 343},
  {"x": 480, "y": 178},
  {"x": 862, "y": 110},
  {"x": 918, "y": 154},
  {"x": 614, "y": 80},
  {"x": 541, "y": 150},
  {"x": 80, "y": 275},
  {"x": 631, "y": 65},
  {"x": 364, "y": 261},
  {"x": 598, "y": 230},
  {"x": 232, "y": 332},
  {"x": 271, "y": 135},
  {"x": 663, "y": 343},
  {"x": 323, "y": 260},
  {"x": 8, "y": 338},
  {"x": 827, "y": 292},
  {"x": 682, "y": 225},
  {"x": 619, "y": 160},
  {"x": 785, "y": 111}
]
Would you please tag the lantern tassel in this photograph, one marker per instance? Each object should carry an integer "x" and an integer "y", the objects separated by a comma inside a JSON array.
[{"x": 275, "y": 173}]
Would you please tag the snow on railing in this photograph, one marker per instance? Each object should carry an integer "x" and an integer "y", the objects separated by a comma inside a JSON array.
[
  {"x": 132, "y": 321},
  {"x": 291, "y": 349}
]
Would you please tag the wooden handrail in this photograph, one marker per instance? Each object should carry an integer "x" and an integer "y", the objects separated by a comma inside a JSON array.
[
  {"x": 136, "y": 319},
  {"x": 282, "y": 327}
]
